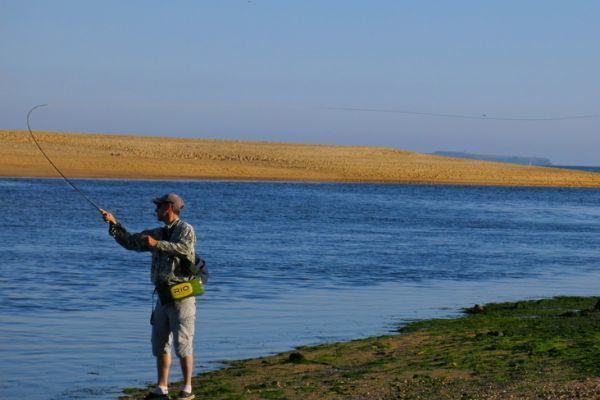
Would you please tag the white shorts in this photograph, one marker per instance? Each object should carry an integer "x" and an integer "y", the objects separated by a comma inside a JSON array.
[{"x": 174, "y": 323}]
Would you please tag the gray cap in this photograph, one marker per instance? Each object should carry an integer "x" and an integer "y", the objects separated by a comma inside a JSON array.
[{"x": 169, "y": 198}]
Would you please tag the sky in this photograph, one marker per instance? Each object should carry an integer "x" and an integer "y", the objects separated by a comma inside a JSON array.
[{"x": 288, "y": 71}]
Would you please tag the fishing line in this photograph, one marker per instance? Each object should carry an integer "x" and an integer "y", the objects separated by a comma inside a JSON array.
[
  {"x": 55, "y": 167},
  {"x": 440, "y": 115}
]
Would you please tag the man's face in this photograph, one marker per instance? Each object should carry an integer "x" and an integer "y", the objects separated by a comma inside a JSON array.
[{"x": 162, "y": 211}]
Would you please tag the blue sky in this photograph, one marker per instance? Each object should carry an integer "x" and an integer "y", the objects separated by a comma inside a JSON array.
[{"x": 264, "y": 70}]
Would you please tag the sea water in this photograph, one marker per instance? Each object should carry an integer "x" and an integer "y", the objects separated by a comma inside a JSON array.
[{"x": 291, "y": 264}]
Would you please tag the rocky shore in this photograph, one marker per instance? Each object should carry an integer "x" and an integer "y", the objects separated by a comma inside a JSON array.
[{"x": 538, "y": 349}]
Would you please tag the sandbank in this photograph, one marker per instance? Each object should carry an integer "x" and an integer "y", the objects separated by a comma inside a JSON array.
[{"x": 150, "y": 157}]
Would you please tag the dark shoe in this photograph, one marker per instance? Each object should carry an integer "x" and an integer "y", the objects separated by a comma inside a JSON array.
[
  {"x": 185, "y": 396},
  {"x": 154, "y": 396}
]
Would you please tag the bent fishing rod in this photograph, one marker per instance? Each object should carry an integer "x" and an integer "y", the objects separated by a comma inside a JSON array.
[{"x": 67, "y": 180}]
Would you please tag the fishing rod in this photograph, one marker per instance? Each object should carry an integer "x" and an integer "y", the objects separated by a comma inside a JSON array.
[{"x": 55, "y": 167}]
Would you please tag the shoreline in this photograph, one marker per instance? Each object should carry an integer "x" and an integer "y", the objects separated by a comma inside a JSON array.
[
  {"x": 519, "y": 350},
  {"x": 298, "y": 181},
  {"x": 92, "y": 156},
  {"x": 306, "y": 182}
]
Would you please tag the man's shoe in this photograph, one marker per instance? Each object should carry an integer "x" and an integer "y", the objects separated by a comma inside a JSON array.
[
  {"x": 183, "y": 395},
  {"x": 156, "y": 396}
]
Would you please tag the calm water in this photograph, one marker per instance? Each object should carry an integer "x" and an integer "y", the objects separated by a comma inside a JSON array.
[{"x": 291, "y": 264}]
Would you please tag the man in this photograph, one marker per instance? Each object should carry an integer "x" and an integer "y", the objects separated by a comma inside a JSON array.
[{"x": 172, "y": 248}]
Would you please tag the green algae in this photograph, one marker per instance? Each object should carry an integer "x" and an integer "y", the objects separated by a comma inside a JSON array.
[{"x": 523, "y": 349}]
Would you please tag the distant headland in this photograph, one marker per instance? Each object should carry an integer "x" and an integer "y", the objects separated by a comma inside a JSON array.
[{"x": 539, "y": 161}]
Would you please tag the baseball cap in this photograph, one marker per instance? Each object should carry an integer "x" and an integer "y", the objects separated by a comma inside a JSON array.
[{"x": 169, "y": 198}]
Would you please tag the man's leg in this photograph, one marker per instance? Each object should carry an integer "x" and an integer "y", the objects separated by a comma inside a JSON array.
[
  {"x": 183, "y": 338},
  {"x": 163, "y": 363},
  {"x": 161, "y": 347},
  {"x": 187, "y": 365}
]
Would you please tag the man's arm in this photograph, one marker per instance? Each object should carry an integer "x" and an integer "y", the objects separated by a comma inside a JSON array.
[
  {"x": 182, "y": 245},
  {"x": 131, "y": 241}
]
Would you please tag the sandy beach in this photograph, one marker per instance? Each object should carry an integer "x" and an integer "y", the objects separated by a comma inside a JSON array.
[{"x": 150, "y": 157}]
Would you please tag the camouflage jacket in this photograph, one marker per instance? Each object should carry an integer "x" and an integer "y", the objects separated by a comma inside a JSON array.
[{"x": 176, "y": 243}]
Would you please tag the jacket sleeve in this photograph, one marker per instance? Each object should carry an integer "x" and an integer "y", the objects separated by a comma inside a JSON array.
[
  {"x": 132, "y": 241},
  {"x": 181, "y": 245}
]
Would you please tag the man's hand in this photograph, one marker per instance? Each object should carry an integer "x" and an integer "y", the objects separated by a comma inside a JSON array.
[
  {"x": 150, "y": 241},
  {"x": 108, "y": 217}
]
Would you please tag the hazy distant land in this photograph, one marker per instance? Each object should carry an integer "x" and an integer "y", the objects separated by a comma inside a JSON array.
[
  {"x": 539, "y": 161},
  {"x": 148, "y": 157}
]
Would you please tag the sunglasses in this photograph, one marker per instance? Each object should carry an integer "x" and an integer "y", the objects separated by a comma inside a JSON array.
[{"x": 159, "y": 205}]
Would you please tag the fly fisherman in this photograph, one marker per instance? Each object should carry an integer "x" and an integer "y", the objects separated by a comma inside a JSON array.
[{"x": 172, "y": 248}]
